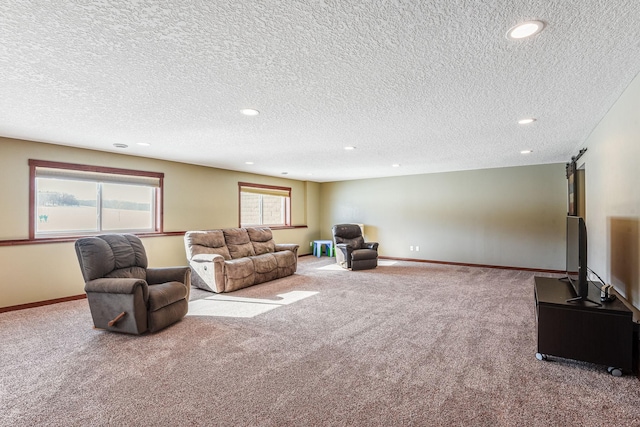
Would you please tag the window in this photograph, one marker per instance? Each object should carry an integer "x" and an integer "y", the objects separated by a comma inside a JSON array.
[
  {"x": 264, "y": 205},
  {"x": 70, "y": 200}
]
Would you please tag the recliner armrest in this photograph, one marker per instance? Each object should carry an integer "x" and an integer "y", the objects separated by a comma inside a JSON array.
[
  {"x": 156, "y": 276},
  {"x": 346, "y": 250},
  {"x": 371, "y": 245},
  {"x": 117, "y": 285},
  {"x": 159, "y": 275}
]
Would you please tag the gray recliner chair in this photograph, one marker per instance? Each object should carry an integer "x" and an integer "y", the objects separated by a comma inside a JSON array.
[
  {"x": 352, "y": 252},
  {"x": 124, "y": 295}
]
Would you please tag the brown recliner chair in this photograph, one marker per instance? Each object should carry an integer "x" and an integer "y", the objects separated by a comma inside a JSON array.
[
  {"x": 352, "y": 252},
  {"x": 124, "y": 295}
]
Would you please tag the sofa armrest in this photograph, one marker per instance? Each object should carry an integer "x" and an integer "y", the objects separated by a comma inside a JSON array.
[
  {"x": 287, "y": 247},
  {"x": 371, "y": 245},
  {"x": 207, "y": 258},
  {"x": 117, "y": 285},
  {"x": 207, "y": 272}
]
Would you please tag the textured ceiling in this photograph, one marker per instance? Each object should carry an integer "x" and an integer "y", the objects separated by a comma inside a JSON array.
[{"x": 431, "y": 85}]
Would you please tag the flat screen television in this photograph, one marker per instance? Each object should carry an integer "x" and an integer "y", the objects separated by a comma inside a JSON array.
[{"x": 577, "y": 256}]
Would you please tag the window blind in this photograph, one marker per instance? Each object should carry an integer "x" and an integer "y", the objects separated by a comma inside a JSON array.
[
  {"x": 271, "y": 191},
  {"x": 81, "y": 175}
]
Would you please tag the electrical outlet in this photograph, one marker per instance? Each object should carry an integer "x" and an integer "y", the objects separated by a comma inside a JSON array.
[
  {"x": 410, "y": 248},
  {"x": 310, "y": 243},
  {"x": 417, "y": 248}
]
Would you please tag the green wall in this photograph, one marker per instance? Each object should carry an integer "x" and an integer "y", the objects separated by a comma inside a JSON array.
[{"x": 505, "y": 217}]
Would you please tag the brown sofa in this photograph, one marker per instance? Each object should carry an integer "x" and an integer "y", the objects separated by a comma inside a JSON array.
[{"x": 233, "y": 258}]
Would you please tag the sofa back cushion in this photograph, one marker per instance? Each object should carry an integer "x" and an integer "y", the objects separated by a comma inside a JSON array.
[
  {"x": 206, "y": 242},
  {"x": 262, "y": 240},
  {"x": 238, "y": 242}
]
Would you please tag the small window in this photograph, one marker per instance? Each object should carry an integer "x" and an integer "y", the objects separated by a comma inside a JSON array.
[
  {"x": 72, "y": 200},
  {"x": 264, "y": 205}
]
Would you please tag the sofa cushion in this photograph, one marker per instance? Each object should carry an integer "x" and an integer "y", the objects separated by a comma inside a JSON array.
[
  {"x": 264, "y": 263},
  {"x": 266, "y": 267},
  {"x": 285, "y": 258},
  {"x": 238, "y": 242},
  {"x": 239, "y": 273},
  {"x": 287, "y": 263},
  {"x": 207, "y": 242},
  {"x": 239, "y": 268},
  {"x": 262, "y": 240}
]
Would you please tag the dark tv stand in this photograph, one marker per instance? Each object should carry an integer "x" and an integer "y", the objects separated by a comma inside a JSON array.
[{"x": 580, "y": 330}]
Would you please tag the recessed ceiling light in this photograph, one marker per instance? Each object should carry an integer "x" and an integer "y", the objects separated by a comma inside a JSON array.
[
  {"x": 525, "y": 29},
  {"x": 250, "y": 112},
  {"x": 248, "y": 163},
  {"x": 349, "y": 148},
  {"x": 395, "y": 165},
  {"x": 285, "y": 173},
  {"x": 143, "y": 144},
  {"x": 118, "y": 145},
  {"x": 526, "y": 121},
  {"x": 526, "y": 152}
]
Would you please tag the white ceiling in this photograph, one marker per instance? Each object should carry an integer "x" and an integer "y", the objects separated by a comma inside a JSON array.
[{"x": 432, "y": 85}]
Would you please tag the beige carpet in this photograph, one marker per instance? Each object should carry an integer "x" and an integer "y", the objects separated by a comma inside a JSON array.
[
  {"x": 229, "y": 305},
  {"x": 407, "y": 344},
  {"x": 335, "y": 267}
]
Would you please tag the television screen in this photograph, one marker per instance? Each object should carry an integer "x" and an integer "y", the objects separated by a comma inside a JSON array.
[{"x": 577, "y": 255}]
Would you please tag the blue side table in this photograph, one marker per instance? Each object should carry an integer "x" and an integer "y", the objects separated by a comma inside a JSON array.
[{"x": 317, "y": 247}]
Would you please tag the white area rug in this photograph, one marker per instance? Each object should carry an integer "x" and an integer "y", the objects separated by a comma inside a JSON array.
[
  {"x": 230, "y": 306},
  {"x": 336, "y": 267}
]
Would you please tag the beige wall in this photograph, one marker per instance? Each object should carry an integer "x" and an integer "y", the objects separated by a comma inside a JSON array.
[
  {"x": 195, "y": 197},
  {"x": 506, "y": 217},
  {"x": 612, "y": 176}
]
